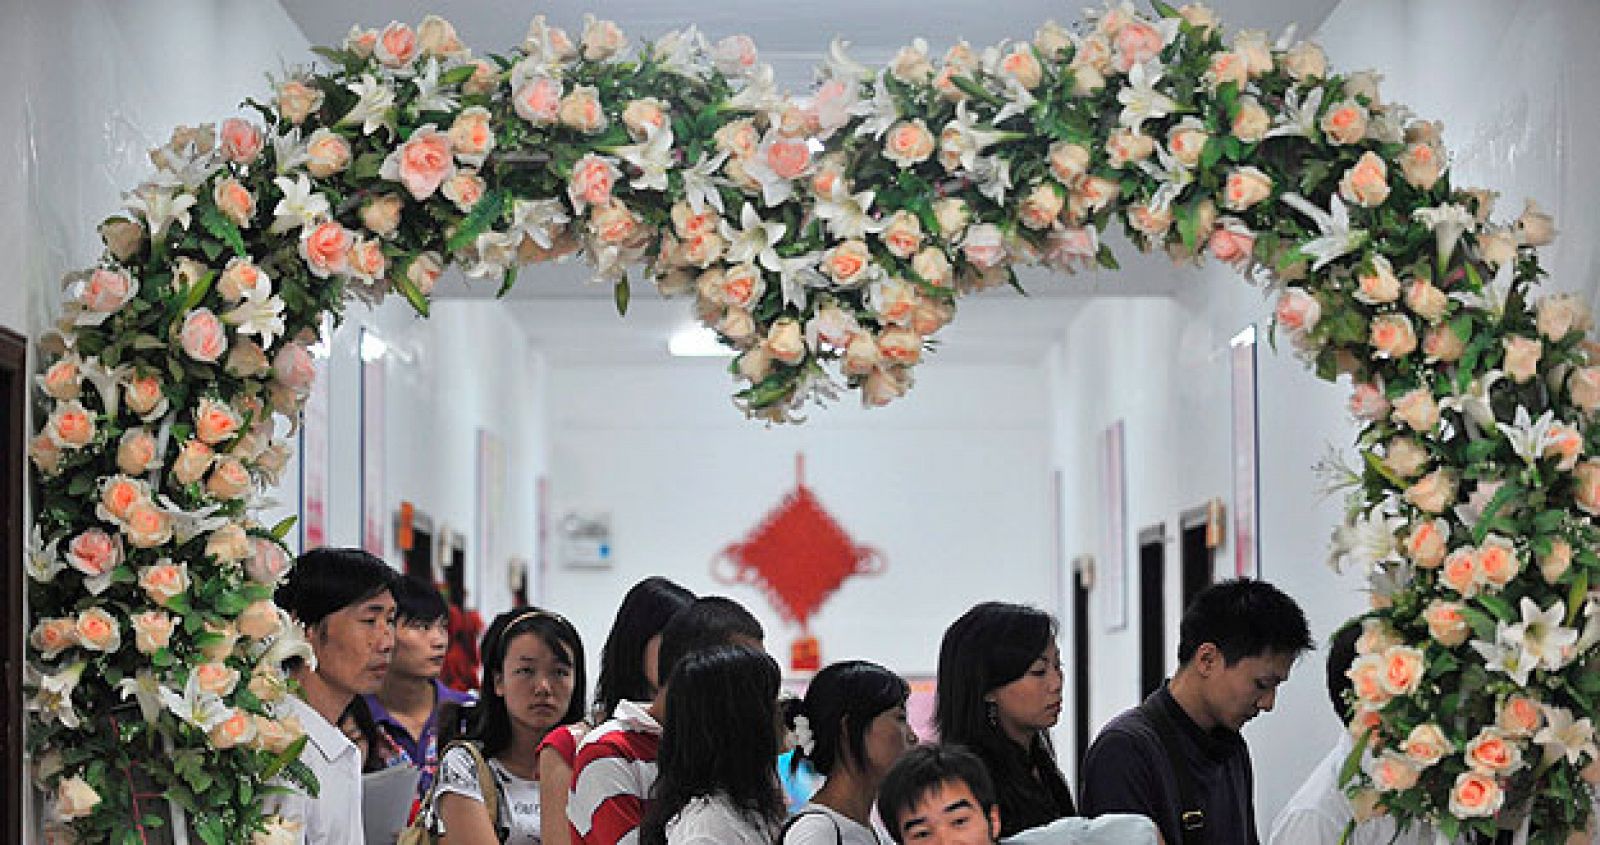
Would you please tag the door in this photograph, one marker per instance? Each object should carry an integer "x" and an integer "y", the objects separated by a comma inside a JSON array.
[
  {"x": 1152, "y": 608},
  {"x": 13, "y": 474}
]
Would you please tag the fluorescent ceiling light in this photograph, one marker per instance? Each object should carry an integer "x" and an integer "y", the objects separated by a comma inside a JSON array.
[
  {"x": 697, "y": 342},
  {"x": 372, "y": 347}
]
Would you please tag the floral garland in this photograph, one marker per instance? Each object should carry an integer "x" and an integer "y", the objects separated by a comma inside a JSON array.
[{"x": 821, "y": 235}]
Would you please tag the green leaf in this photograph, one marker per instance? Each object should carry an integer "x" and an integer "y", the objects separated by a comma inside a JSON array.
[
  {"x": 1576, "y": 594},
  {"x": 282, "y": 528},
  {"x": 289, "y": 755},
  {"x": 458, "y": 75},
  {"x": 1478, "y": 450},
  {"x": 1106, "y": 259},
  {"x": 483, "y": 214},
  {"x": 1164, "y": 9},
  {"x": 1375, "y": 464},
  {"x": 1352, "y": 763},
  {"x": 507, "y": 282},
  {"x": 1505, "y": 494},
  {"x": 338, "y": 57},
  {"x": 409, "y": 290},
  {"x": 974, "y": 90},
  {"x": 1498, "y": 606},
  {"x": 198, "y": 291},
  {"x": 622, "y": 293},
  {"x": 223, "y": 229},
  {"x": 366, "y": 167}
]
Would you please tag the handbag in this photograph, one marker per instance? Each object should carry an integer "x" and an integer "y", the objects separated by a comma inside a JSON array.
[{"x": 427, "y": 827}]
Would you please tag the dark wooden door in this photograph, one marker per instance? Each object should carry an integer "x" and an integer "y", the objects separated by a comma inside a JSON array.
[{"x": 13, "y": 476}]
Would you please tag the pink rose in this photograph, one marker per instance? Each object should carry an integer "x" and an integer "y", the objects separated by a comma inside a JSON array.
[
  {"x": 147, "y": 526},
  {"x": 63, "y": 380},
  {"x": 1434, "y": 492},
  {"x": 294, "y": 367},
  {"x": 203, "y": 337},
  {"x": 847, "y": 263},
  {"x": 1403, "y": 668},
  {"x": 136, "y": 452},
  {"x": 1392, "y": 336},
  {"x": 238, "y": 729},
  {"x": 1021, "y": 64},
  {"x": 94, "y": 553},
  {"x": 1417, "y": 409},
  {"x": 422, "y": 163},
  {"x": 106, "y": 291},
  {"x": 1586, "y": 486},
  {"x": 193, "y": 460},
  {"x": 1522, "y": 357},
  {"x": 241, "y": 140},
  {"x": 437, "y": 37},
  {"x": 1461, "y": 572},
  {"x": 396, "y": 45},
  {"x": 215, "y": 421},
  {"x": 1367, "y": 183},
  {"x": 471, "y": 136},
  {"x": 1392, "y": 772},
  {"x": 1041, "y": 206},
  {"x": 1583, "y": 387},
  {"x": 259, "y": 620},
  {"x": 464, "y": 189},
  {"x": 1421, "y": 166},
  {"x": 326, "y": 248},
  {"x": 1298, "y": 310},
  {"x": 119, "y": 493},
  {"x": 1446, "y": 625},
  {"x": 903, "y": 235},
  {"x": 1489, "y": 753},
  {"x": 592, "y": 179},
  {"x": 900, "y": 345},
  {"x": 1136, "y": 43},
  {"x": 381, "y": 214},
  {"x": 235, "y": 201},
  {"x": 164, "y": 581},
  {"x": 1366, "y": 677},
  {"x": 1520, "y": 716},
  {"x": 152, "y": 631},
  {"x": 582, "y": 110},
  {"x": 98, "y": 631},
  {"x": 216, "y": 677},
  {"x": 1068, "y": 162},
  {"x": 1368, "y": 403},
  {"x": 267, "y": 563},
  {"x": 1556, "y": 562},
  {"x": 1244, "y": 188},
  {"x": 71, "y": 425},
  {"x": 423, "y": 272},
  {"x": 297, "y": 100},
  {"x": 326, "y": 153},
  {"x": 50, "y": 637},
  {"x": 984, "y": 246},
  {"x": 366, "y": 261},
  {"x": 538, "y": 100}
]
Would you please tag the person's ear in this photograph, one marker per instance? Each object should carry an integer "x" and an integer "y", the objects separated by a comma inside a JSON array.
[
  {"x": 994, "y": 823},
  {"x": 1208, "y": 659}
]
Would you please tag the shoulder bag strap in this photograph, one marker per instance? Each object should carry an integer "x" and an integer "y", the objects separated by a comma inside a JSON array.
[
  {"x": 838, "y": 833},
  {"x": 1191, "y": 816},
  {"x": 488, "y": 785}
]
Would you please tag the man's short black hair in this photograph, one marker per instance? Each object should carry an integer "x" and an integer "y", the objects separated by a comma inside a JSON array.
[
  {"x": 325, "y": 581},
  {"x": 419, "y": 603},
  {"x": 1342, "y": 653},
  {"x": 1243, "y": 618},
  {"x": 925, "y": 768},
  {"x": 706, "y": 622}
]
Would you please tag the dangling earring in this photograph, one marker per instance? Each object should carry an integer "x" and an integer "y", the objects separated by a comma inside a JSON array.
[{"x": 991, "y": 710}]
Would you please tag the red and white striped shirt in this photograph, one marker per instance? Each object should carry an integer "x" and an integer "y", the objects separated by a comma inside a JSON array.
[{"x": 611, "y": 780}]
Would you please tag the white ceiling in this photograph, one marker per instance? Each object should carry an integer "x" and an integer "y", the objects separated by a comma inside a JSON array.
[{"x": 574, "y": 320}]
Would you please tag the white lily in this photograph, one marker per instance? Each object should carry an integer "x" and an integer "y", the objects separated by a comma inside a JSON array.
[
  {"x": 429, "y": 97},
  {"x": 540, "y": 220},
  {"x": 1496, "y": 292},
  {"x": 147, "y": 690},
  {"x": 682, "y": 52},
  {"x": 300, "y": 206},
  {"x": 1367, "y": 540},
  {"x": 1139, "y": 98},
  {"x": 1337, "y": 239},
  {"x": 1297, "y": 119},
  {"x": 775, "y": 189},
  {"x": 259, "y": 313},
  {"x": 1389, "y": 580},
  {"x": 187, "y": 170},
  {"x": 756, "y": 239},
  {"x": 52, "y": 698},
  {"x": 372, "y": 109},
  {"x": 1448, "y": 222},
  {"x": 797, "y": 276},
  {"x": 187, "y": 525},
  {"x": 1505, "y": 655},
  {"x": 44, "y": 561},
  {"x": 1529, "y": 437},
  {"x": 1562, "y": 736},
  {"x": 1474, "y": 403},
  {"x": 289, "y": 151},
  {"x": 105, "y": 382},
  {"x": 846, "y": 213},
  {"x": 1388, "y": 123},
  {"x": 288, "y": 644},
  {"x": 653, "y": 158},
  {"x": 199, "y": 708},
  {"x": 881, "y": 112},
  {"x": 760, "y": 94},
  {"x": 538, "y": 47},
  {"x": 993, "y": 176},
  {"x": 1470, "y": 511},
  {"x": 702, "y": 185},
  {"x": 840, "y": 66},
  {"x": 1174, "y": 177},
  {"x": 1545, "y": 641},
  {"x": 161, "y": 207},
  {"x": 971, "y": 137}
]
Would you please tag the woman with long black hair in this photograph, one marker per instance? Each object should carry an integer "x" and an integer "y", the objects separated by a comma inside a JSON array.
[
  {"x": 852, "y": 727},
  {"x": 534, "y": 683},
  {"x": 715, "y": 782},
  {"x": 999, "y": 693}
]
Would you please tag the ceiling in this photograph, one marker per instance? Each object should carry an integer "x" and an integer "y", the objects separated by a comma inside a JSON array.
[{"x": 572, "y": 319}]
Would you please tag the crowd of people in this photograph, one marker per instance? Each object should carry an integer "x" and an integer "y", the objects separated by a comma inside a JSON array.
[{"x": 680, "y": 743}]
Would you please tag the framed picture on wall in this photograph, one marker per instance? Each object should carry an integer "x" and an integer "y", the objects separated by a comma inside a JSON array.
[
  {"x": 314, "y": 427},
  {"x": 1246, "y": 443},
  {"x": 491, "y": 506},
  {"x": 1112, "y": 582}
]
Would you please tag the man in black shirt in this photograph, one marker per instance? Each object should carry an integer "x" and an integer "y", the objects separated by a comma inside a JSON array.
[{"x": 1178, "y": 758}]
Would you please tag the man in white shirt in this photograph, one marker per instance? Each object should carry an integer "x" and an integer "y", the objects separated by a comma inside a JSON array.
[
  {"x": 343, "y": 599},
  {"x": 1320, "y": 811}
]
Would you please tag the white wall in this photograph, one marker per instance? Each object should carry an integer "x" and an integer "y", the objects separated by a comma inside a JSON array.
[
  {"x": 951, "y": 485},
  {"x": 1508, "y": 80}
]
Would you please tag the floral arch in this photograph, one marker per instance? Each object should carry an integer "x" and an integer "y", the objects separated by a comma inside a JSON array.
[{"x": 827, "y": 238}]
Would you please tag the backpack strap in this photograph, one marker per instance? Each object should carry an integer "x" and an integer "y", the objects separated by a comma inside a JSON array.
[
  {"x": 838, "y": 832},
  {"x": 488, "y": 785},
  {"x": 1191, "y": 815}
]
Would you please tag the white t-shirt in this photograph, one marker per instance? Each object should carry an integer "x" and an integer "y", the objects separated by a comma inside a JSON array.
[
  {"x": 823, "y": 825},
  {"x": 458, "y": 774},
  {"x": 715, "y": 821},
  {"x": 1319, "y": 812},
  {"x": 334, "y": 816},
  {"x": 1113, "y": 829}
]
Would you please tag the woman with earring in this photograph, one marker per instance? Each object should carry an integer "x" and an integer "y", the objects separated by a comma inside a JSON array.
[
  {"x": 852, "y": 727},
  {"x": 999, "y": 693},
  {"x": 533, "y": 661}
]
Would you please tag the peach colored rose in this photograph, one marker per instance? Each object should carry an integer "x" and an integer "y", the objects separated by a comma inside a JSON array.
[
  {"x": 361, "y": 41},
  {"x": 1233, "y": 244},
  {"x": 75, "y": 798},
  {"x": 1021, "y": 64},
  {"x": 1492, "y": 753},
  {"x": 366, "y": 260},
  {"x": 1558, "y": 315},
  {"x": 983, "y": 246},
  {"x": 700, "y": 250},
  {"x": 848, "y": 263},
  {"x": 215, "y": 421},
  {"x": 1090, "y": 196},
  {"x": 94, "y": 552},
  {"x": 1520, "y": 716},
  {"x": 1305, "y": 61},
  {"x": 1565, "y": 444},
  {"x": 643, "y": 117},
  {"x": 1462, "y": 573},
  {"x": 164, "y": 581},
  {"x": 235, "y": 201},
  {"x": 1366, "y": 722},
  {"x": 1426, "y": 745},
  {"x": 237, "y": 729},
  {"x": 229, "y": 479},
  {"x": 152, "y": 631},
  {"x": 538, "y": 100},
  {"x": 930, "y": 316},
  {"x": 1427, "y": 543},
  {"x": 911, "y": 64},
  {"x": 1136, "y": 43},
  {"x": 246, "y": 360},
  {"x": 1534, "y": 228},
  {"x": 464, "y": 188},
  {"x": 785, "y": 342},
  {"x": 1149, "y": 221},
  {"x": 1421, "y": 165},
  {"x": 274, "y": 736},
  {"x": 1522, "y": 357},
  {"x": 1426, "y": 301},
  {"x": 396, "y": 46},
  {"x": 119, "y": 493},
  {"x": 952, "y": 215},
  {"x": 1392, "y": 336},
  {"x": 267, "y": 562},
  {"x": 581, "y": 110},
  {"x": 903, "y": 234},
  {"x": 908, "y": 143},
  {"x": 423, "y": 272},
  {"x": 326, "y": 154},
  {"x": 1377, "y": 637},
  {"x": 1367, "y": 183},
  {"x": 1497, "y": 247},
  {"x": 203, "y": 337},
  {"x": 788, "y": 158},
  {"x": 422, "y": 163},
  {"x": 1068, "y": 162},
  {"x": 297, "y": 100},
  {"x": 883, "y": 386},
  {"x": 45, "y": 453},
  {"x": 738, "y": 138},
  {"x": 136, "y": 452},
  {"x": 932, "y": 266},
  {"x": 1366, "y": 678},
  {"x": 1244, "y": 188},
  {"x": 1379, "y": 285},
  {"x": 107, "y": 291},
  {"x": 143, "y": 394},
  {"x": 216, "y": 678},
  {"x": 1126, "y": 147},
  {"x": 50, "y": 637},
  {"x": 687, "y": 223},
  {"x": 737, "y": 325},
  {"x": 1298, "y": 310},
  {"x": 592, "y": 179},
  {"x": 1041, "y": 206},
  {"x": 485, "y": 78},
  {"x": 1403, "y": 668},
  {"x": 894, "y": 300},
  {"x": 1583, "y": 387},
  {"x": 1186, "y": 141},
  {"x": 98, "y": 631},
  {"x": 147, "y": 526},
  {"x": 1405, "y": 457},
  {"x": 1367, "y": 402},
  {"x": 220, "y": 640},
  {"x": 735, "y": 55},
  {"x": 259, "y": 620},
  {"x": 194, "y": 459},
  {"x": 63, "y": 380},
  {"x": 1446, "y": 624},
  {"x": 241, "y": 140},
  {"x": 239, "y": 276},
  {"x": 1556, "y": 562},
  {"x": 1226, "y": 66},
  {"x": 436, "y": 37},
  {"x": 862, "y": 356},
  {"x": 71, "y": 426},
  {"x": 1434, "y": 492},
  {"x": 741, "y": 286},
  {"x": 1418, "y": 410},
  {"x": 123, "y": 237},
  {"x": 1345, "y": 123},
  {"x": 1251, "y": 121},
  {"x": 1393, "y": 772},
  {"x": 1252, "y": 44},
  {"x": 1498, "y": 561}
]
